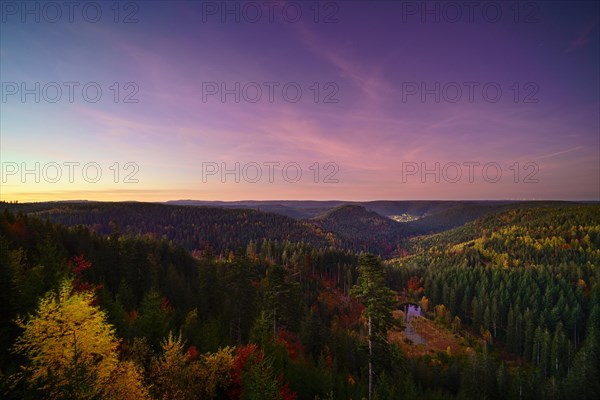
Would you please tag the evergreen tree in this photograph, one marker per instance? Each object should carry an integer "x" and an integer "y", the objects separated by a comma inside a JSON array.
[{"x": 372, "y": 291}]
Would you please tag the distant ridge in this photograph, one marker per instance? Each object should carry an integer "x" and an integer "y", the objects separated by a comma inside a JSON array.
[
  {"x": 307, "y": 209},
  {"x": 354, "y": 226}
]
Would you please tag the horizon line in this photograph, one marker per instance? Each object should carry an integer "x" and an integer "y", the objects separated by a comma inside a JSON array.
[{"x": 296, "y": 200}]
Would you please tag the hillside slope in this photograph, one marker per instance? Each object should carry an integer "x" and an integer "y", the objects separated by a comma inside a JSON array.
[
  {"x": 360, "y": 229},
  {"x": 195, "y": 228}
]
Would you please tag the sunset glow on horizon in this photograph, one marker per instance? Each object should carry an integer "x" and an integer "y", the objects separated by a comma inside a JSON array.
[{"x": 357, "y": 100}]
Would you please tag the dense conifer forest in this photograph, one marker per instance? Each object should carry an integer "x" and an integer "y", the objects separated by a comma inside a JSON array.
[{"x": 139, "y": 300}]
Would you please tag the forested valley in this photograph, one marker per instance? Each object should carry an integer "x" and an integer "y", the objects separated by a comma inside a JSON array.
[{"x": 140, "y": 300}]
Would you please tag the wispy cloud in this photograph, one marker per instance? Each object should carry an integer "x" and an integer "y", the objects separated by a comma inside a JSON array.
[
  {"x": 369, "y": 79},
  {"x": 587, "y": 34},
  {"x": 558, "y": 153}
]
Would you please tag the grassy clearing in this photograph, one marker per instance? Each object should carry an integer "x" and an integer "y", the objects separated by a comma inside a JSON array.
[{"x": 438, "y": 338}]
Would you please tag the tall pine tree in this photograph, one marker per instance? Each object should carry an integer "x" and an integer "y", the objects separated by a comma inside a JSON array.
[{"x": 372, "y": 291}]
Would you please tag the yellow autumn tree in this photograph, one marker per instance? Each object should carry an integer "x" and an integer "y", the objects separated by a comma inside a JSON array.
[
  {"x": 126, "y": 383},
  {"x": 72, "y": 350},
  {"x": 171, "y": 372},
  {"x": 176, "y": 375},
  {"x": 424, "y": 304},
  {"x": 214, "y": 370}
]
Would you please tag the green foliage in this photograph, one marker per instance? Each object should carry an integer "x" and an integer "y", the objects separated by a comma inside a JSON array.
[
  {"x": 153, "y": 322},
  {"x": 378, "y": 301},
  {"x": 526, "y": 280},
  {"x": 372, "y": 291},
  {"x": 282, "y": 296},
  {"x": 259, "y": 382}
]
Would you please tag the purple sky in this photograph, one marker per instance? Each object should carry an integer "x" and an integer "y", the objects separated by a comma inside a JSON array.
[{"x": 379, "y": 100}]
